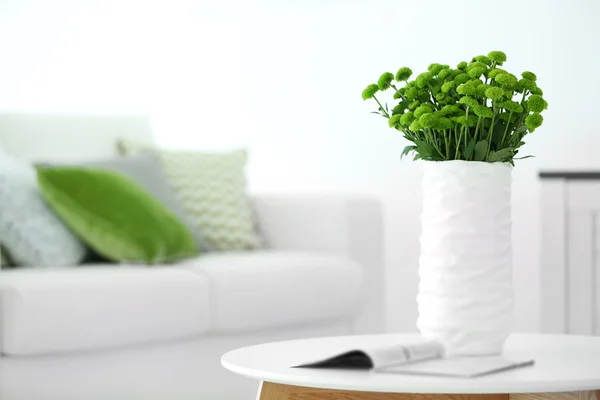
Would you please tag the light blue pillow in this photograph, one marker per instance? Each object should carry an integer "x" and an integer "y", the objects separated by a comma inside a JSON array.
[{"x": 29, "y": 230}]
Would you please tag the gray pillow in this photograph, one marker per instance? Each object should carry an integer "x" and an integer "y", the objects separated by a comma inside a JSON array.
[
  {"x": 29, "y": 229},
  {"x": 145, "y": 169}
]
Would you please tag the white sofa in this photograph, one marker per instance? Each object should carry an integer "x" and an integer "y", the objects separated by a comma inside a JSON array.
[{"x": 126, "y": 331}]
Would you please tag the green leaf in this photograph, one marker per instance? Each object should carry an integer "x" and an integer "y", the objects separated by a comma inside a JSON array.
[
  {"x": 519, "y": 145},
  {"x": 480, "y": 150},
  {"x": 407, "y": 150},
  {"x": 417, "y": 157},
  {"x": 498, "y": 132},
  {"x": 521, "y": 130},
  {"x": 399, "y": 109},
  {"x": 524, "y": 157},
  {"x": 468, "y": 153},
  {"x": 424, "y": 149},
  {"x": 500, "y": 155}
]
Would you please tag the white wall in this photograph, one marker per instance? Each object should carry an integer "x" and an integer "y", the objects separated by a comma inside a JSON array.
[{"x": 285, "y": 77}]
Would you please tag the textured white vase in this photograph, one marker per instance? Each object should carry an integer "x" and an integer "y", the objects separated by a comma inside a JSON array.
[{"x": 466, "y": 291}]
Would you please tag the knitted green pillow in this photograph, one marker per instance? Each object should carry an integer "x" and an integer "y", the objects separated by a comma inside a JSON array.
[
  {"x": 212, "y": 189},
  {"x": 115, "y": 216}
]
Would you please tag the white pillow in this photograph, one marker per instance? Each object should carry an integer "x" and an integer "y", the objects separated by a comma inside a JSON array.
[{"x": 29, "y": 230}]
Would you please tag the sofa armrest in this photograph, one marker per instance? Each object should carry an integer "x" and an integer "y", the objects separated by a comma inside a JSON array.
[{"x": 347, "y": 226}]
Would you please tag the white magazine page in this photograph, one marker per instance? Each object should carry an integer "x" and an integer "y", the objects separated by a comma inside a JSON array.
[
  {"x": 467, "y": 367},
  {"x": 401, "y": 354}
]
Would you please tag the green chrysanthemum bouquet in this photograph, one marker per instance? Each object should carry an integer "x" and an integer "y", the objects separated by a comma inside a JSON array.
[{"x": 475, "y": 112}]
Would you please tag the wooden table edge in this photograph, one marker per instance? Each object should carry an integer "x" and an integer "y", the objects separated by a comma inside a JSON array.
[{"x": 277, "y": 391}]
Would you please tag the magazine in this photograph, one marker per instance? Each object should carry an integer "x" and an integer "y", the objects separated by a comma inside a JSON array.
[{"x": 424, "y": 357}]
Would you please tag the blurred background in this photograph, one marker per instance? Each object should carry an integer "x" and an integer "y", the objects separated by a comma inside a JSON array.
[{"x": 284, "y": 79}]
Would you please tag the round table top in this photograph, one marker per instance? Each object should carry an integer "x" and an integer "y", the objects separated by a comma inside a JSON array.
[{"x": 562, "y": 363}]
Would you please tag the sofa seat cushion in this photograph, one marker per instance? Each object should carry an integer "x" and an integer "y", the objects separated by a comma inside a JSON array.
[
  {"x": 99, "y": 306},
  {"x": 267, "y": 289}
]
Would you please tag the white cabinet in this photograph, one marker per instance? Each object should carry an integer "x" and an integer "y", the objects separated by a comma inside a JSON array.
[{"x": 570, "y": 259}]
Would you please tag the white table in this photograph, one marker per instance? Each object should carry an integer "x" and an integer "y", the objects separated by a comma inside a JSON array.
[{"x": 566, "y": 367}]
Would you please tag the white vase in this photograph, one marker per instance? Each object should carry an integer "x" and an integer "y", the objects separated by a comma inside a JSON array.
[{"x": 465, "y": 294}]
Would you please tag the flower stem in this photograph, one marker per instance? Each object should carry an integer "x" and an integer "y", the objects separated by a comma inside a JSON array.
[
  {"x": 506, "y": 129},
  {"x": 447, "y": 144},
  {"x": 466, "y": 126},
  {"x": 382, "y": 109},
  {"x": 476, "y": 131},
  {"x": 491, "y": 130}
]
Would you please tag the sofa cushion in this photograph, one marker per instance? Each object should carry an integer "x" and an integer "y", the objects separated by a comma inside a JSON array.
[
  {"x": 144, "y": 169},
  {"x": 99, "y": 306},
  {"x": 212, "y": 189},
  {"x": 115, "y": 216},
  {"x": 29, "y": 229},
  {"x": 265, "y": 289}
]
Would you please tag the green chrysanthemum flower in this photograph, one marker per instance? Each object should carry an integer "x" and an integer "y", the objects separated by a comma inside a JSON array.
[
  {"x": 446, "y": 87},
  {"x": 462, "y": 65},
  {"x": 398, "y": 95},
  {"x": 468, "y": 101},
  {"x": 538, "y": 90},
  {"x": 497, "y": 56},
  {"x": 462, "y": 78},
  {"x": 534, "y": 121},
  {"x": 370, "y": 91},
  {"x": 435, "y": 68},
  {"x": 483, "y": 59},
  {"x": 407, "y": 118},
  {"x": 385, "y": 80},
  {"x": 423, "y": 109},
  {"x": 471, "y": 121},
  {"x": 428, "y": 120},
  {"x": 443, "y": 123},
  {"x": 511, "y": 106},
  {"x": 414, "y": 105},
  {"x": 465, "y": 89},
  {"x": 423, "y": 79},
  {"x": 424, "y": 96},
  {"x": 444, "y": 73},
  {"x": 394, "y": 120},
  {"x": 483, "y": 111},
  {"x": 494, "y": 93},
  {"x": 496, "y": 71},
  {"x": 474, "y": 82},
  {"x": 529, "y": 75},
  {"x": 527, "y": 84},
  {"x": 476, "y": 72},
  {"x": 440, "y": 96},
  {"x": 415, "y": 126},
  {"x": 480, "y": 90},
  {"x": 403, "y": 74},
  {"x": 508, "y": 80},
  {"x": 476, "y": 64},
  {"x": 449, "y": 109},
  {"x": 536, "y": 103},
  {"x": 411, "y": 93}
]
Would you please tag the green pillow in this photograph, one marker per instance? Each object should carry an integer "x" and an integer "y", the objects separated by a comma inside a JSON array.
[{"x": 115, "y": 216}]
